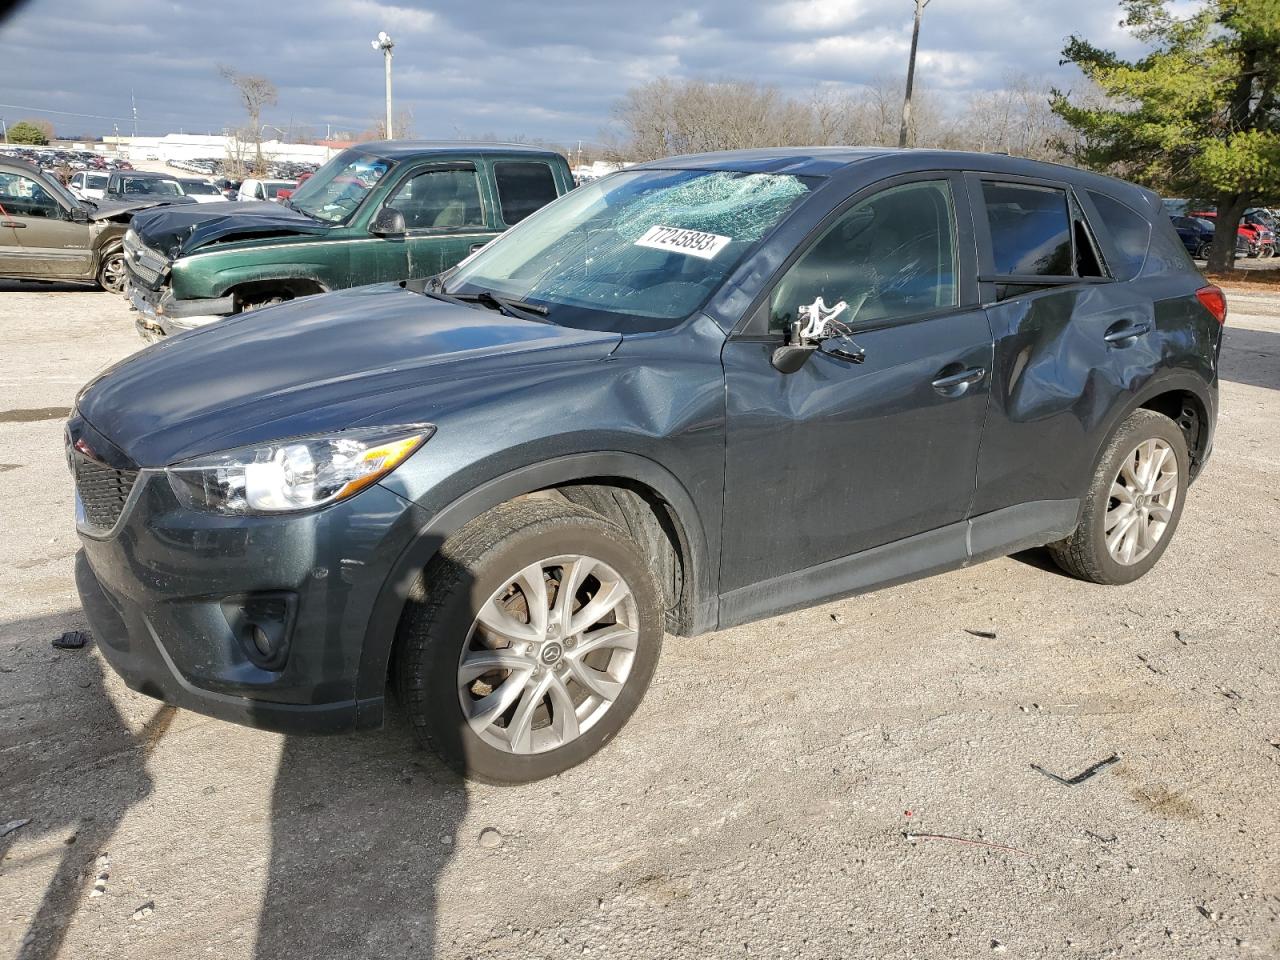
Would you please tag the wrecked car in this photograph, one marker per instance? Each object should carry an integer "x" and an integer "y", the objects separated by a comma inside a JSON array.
[
  {"x": 47, "y": 233},
  {"x": 394, "y": 210},
  {"x": 695, "y": 393}
]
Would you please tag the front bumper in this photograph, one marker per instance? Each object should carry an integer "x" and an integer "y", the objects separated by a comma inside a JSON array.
[
  {"x": 160, "y": 315},
  {"x": 164, "y": 591}
]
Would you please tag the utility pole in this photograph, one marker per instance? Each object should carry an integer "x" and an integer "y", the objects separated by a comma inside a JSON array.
[
  {"x": 134, "y": 104},
  {"x": 911, "y": 73},
  {"x": 385, "y": 43}
]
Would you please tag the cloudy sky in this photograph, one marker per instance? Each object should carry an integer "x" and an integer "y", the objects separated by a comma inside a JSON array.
[{"x": 550, "y": 69}]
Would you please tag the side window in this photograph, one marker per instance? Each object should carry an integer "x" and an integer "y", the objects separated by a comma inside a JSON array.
[
  {"x": 24, "y": 197},
  {"x": 440, "y": 200},
  {"x": 1130, "y": 234},
  {"x": 1030, "y": 230},
  {"x": 893, "y": 255},
  {"x": 523, "y": 187}
]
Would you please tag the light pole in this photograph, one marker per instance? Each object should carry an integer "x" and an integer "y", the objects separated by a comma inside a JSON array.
[
  {"x": 911, "y": 73},
  {"x": 385, "y": 43}
]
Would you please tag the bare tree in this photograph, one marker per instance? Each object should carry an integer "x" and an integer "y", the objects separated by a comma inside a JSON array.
[
  {"x": 668, "y": 116},
  {"x": 256, "y": 93},
  {"x": 401, "y": 125}
]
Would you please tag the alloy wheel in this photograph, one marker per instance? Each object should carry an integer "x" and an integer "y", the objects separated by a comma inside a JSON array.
[
  {"x": 1141, "y": 501},
  {"x": 111, "y": 276},
  {"x": 548, "y": 654}
]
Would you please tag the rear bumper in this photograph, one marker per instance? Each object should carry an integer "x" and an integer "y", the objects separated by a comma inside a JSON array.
[{"x": 160, "y": 315}]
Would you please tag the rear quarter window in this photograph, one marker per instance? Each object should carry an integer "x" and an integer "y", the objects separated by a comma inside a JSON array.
[
  {"x": 523, "y": 187},
  {"x": 1130, "y": 234}
]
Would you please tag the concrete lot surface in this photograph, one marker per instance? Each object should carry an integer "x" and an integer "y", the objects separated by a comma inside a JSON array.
[{"x": 853, "y": 780}]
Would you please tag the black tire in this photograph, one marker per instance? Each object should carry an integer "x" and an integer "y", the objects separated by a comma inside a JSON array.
[
  {"x": 473, "y": 564},
  {"x": 111, "y": 270},
  {"x": 1204, "y": 252},
  {"x": 1084, "y": 554}
]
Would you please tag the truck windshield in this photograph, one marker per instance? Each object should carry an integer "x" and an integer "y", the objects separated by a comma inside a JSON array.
[
  {"x": 635, "y": 251},
  {"x": 340, "y": 186}
]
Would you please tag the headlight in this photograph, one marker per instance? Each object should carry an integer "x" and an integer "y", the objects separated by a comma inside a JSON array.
[{"x": 293, "y": 475}]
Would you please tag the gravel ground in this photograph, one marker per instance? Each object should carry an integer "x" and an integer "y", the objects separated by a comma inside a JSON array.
[{"x": 854, "y": 780}]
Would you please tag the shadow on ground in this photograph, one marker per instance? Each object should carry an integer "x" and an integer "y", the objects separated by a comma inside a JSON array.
[
  {"x": 362, "y": 828},
  {"x": 1251, "y": 356},
  {"x": 69, "y": 727}
]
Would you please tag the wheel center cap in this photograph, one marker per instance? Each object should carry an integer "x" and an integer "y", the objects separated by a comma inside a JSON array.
[{"x": 551, "y": 653}]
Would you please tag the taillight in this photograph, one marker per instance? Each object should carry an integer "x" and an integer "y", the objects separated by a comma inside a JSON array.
[{"x": 1215, "y": 301}]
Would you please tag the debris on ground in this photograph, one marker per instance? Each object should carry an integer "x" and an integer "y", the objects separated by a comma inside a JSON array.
[
  {"x": 145, "y": 910},
  {"x": 998, "y": 946},
  {"x": 982, "y": 634},
  {"x": 1207, "y": 913},
  {"x": 72, "y": 640},
  {"x": 104, "y": 874},
  {"x": 13, "y": 825},
  {"x": 966, "y": 840},
  {"x": 1080, "y": 777},
  {"x": 490, "y": 838}
]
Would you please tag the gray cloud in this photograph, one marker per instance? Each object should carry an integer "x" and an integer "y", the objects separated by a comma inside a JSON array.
[{"x": 551, "y": 69}]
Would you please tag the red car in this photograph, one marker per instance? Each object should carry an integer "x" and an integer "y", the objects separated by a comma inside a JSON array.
[
  {"x": 1261, "y": 239},
  {"x": 283, "y": 195}
]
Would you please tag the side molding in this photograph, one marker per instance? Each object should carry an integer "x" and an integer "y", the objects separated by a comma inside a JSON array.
[{"x": 991, "y": 535}]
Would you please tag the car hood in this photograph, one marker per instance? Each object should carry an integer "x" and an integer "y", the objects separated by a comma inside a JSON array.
[
  {"x": 123, "y": 210},
  {"x": 318, "y": 364},
  {"x": 176, "y": 232}
]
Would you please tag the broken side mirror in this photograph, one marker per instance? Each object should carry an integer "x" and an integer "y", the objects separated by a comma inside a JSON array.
[
  {"x": 388, "y": 223},
  {"x": 817, "y": 329},
  {"x": 790, "y": 357}
]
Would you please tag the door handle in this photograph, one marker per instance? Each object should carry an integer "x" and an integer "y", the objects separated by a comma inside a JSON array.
[
  {"x": 1126, "y": 331},
  {"x": 955, "y": 381},
  {"x": 14, "y": 224}
]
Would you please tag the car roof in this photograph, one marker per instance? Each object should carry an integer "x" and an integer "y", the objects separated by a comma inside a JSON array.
[
  {"x": 23, "y": 165},
  {"x": 831, "y": 161},
  {"x": 154, "y": 174},
  {"x": 396, "y": 149}
]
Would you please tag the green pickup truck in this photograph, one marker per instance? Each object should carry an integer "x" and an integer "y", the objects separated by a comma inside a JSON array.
[{"x": 384, "y": 211}]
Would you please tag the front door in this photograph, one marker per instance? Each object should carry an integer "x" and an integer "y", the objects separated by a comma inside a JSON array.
[
  {"x": 840, "y": 457},
  {"x": 48, "y": 242},
  {"x": 444, "y": 219}
]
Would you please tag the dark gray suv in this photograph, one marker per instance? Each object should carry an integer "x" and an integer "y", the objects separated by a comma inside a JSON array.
[{"x": 696, "y": 393}]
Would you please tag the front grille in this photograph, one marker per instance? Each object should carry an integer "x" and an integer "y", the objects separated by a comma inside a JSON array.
[
  {"x": 103, "y": 490},
  {"x": 145, "y": 264}
]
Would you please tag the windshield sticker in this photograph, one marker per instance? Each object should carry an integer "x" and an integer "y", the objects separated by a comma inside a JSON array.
[{"x": 693, "y": 243}]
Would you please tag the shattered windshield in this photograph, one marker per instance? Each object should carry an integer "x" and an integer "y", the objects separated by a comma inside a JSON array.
[
  {"x": 647, "y": 247},
  {"x": 340, "y": 186}
]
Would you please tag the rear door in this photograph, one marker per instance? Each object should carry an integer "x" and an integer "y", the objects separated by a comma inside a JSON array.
[
  {"x": 444, "y": 218},
  {"x": 1071, "y": 335},
  {"x": 840, "y": 457},
  {"x": 39, "y": 238},
  {"x": 523, "y": 187}
]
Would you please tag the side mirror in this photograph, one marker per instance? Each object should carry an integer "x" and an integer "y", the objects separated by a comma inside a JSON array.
[
  {"x": 388, "y": 223},
  {"x": 79, "y": 215},
  {"x": 791, "y": 357}
]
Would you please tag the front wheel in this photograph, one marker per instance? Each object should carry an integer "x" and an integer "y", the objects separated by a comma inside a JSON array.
[
  {"x": 1133, "y": 505},
  {"x": 532, "y": 641},
  {"x": 111, "y": 273}
]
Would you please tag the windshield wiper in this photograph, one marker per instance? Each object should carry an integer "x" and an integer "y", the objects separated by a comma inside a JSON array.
[{"x": 519, "y": 309}]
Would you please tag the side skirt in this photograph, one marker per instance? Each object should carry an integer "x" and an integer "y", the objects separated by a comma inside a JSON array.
[{"x": 985, "y": 537}]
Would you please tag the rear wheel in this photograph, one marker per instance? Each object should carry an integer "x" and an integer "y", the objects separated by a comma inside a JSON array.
[
  {"x": 111, "y": 275},
  {"x": 1134, "y": 503},
  {"x": 534, "y": 639}
]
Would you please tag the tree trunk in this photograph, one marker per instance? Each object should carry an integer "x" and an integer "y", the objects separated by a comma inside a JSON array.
[{"x": 1231, "y": 208}]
